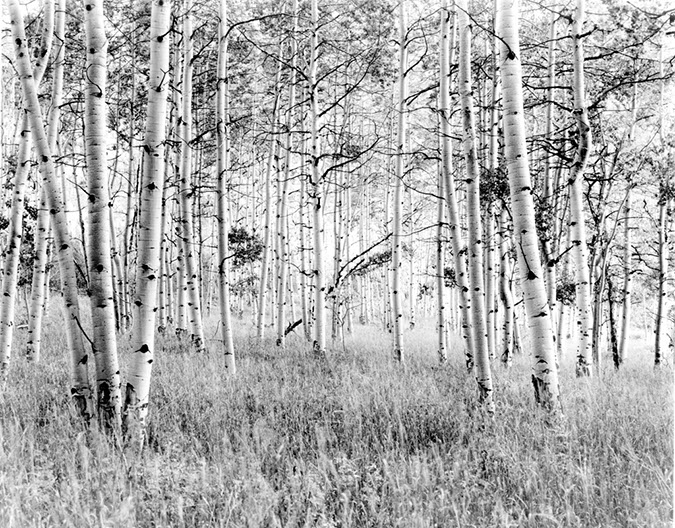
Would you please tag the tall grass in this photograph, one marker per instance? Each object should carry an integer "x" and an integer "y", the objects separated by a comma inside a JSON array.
[{"x": 353, "y": 440}]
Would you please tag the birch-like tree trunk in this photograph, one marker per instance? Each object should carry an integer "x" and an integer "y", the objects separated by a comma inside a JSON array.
[
  {"x": 458, "y": 248},
  {"x": 100, "y": 263},
  {"x": 194, "y": 311},
  {"x": 577, "y": 224},
  {"x": 316, "y": 191},
  {"x": 478, "y": 316},
  {"x": 505, "y": 291},
  {"x": 80, "y": 390},
  {"x": 222, "y": 197},
  {"x": 397, "y": 228},
  {"x": 544, "y": 368},
  {"x": 39, "y": 277},
  {"x": 152, "y": 183}
]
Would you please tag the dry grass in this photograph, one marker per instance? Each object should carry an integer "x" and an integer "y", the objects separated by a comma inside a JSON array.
[{"x": 351, "y": 441}]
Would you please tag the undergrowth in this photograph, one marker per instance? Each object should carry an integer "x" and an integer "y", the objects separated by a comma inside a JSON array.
[{"x": 350, "y": 440}]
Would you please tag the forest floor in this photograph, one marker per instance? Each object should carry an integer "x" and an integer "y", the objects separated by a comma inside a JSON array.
[{"x": 352, "y": 440}]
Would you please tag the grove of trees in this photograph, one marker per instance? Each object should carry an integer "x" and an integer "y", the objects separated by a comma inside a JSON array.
[{"x": 303, "y": 168}]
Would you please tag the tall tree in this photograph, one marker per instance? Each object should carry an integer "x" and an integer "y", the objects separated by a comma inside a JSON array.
[
  {"x": 544, "y": 368},
  {"x": 478, "y": 319},
  {"x": 152, "y": 182},
  {"x": 100, "y": 263}
]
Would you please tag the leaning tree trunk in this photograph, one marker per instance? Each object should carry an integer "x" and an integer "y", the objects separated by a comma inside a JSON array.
[
  {"x": 80, "y": 391},
  {"x": 458, "y": 248},
  {"x": 100, "y": 262},
  {"x": 194, "y": 311},
  {"x": 11, "y": 264},
  {"x": 544, "y": 368},
  {"x": 479, "y": 325},
  {"x": 397, "y": 229},
  {"x": 152, "y": 183},
  {"x": 577, "y": 224},
  {"x": 222, "y": 198},
  {"x": 39, "y": 277}
]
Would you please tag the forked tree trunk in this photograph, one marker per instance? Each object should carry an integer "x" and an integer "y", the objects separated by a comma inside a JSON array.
[
  {"x": 544, "y": 368},
  {"x": 80, "y": 390},
  {"x": 104, "y": 347},
  {"x": 222, "y": 198},
  {"x": 152, "y": 183},
  {"x": 478, "y": 319}
]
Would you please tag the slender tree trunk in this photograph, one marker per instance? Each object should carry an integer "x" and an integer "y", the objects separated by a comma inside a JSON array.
[
  {"x": 316, "y": 192},
  {"x": 544, "y": 368},
  {"x": 222, "y": 198},
  {"x": 397, "y": 228},
  {"x": 440, "y": 265},
  {"x": 458, "y": 248},
  {"x": 100, "y": 263},
  {"x": 80, "y": 391},
  {"x": 145, "y": 302},
  {"x": 505, "y": 292},
  {"x": 577, "y": 224},
  {"x": 187, "y": 234},
  {"x": 479, "y": 324},
  {"x": 39, "y": 278}
]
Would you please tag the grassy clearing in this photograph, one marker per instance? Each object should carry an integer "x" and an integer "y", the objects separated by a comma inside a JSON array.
[{"x": 351, "y": 441}]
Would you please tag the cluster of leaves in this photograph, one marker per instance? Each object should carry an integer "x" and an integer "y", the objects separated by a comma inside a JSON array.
[
  {"x": 377, "y": 260},
  {"x": 566, "y": 291},
  {"x": 246, "y": 247}
]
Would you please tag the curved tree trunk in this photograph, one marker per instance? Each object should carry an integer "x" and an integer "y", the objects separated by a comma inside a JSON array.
[
  {"x": 577, "y": 224},
  {"x": 152, "y": 183},
  {"x": 544, "y": 368},
  {"x": 478, "y": 319}
]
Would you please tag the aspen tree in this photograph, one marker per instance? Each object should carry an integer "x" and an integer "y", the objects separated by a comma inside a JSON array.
[
  {"x": 626, "y": 301},
  {"x": 194, "y": 311},
  {"x": 11, "y": 264},
  {"x": 440, "y": 268},
  {"x": 304, "y": 264},
  {"x": 282, "y": 233},
  {"x": 152, "y": 182},
  {"x": 316, "y": 190},
  {"x": 458, "y": 247},
  {"x": 100, "y": 264},
  {"x": 505, "y": 292},
  {"x": 80, "y": 390},
  {"x": 222, "y": 198},
  {"x": 544, "y": 369},
  {"x": 577, "y": 224},
  {"x": 39, "y": 277},
  {"x": 267, "y": 225},
  {"x": 478, "y": 319},
  {"x": 397, "y": 229},
  {"x": 548, "y": 240}
]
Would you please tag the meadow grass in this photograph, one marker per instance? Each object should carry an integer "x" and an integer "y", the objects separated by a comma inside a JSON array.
[{"x": 350, "y": 440}]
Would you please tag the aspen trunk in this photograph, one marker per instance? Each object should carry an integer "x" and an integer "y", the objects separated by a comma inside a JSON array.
[
  {"x": 222, "y": 198},
  {"x": 316, "y": 192},
  {"x": 505, "y": 292},
  {"x": 80, "y": 391},
  {"x": 478, "y": 319},
  {"x": 145, "y": 301},
  {"x": 577, "y": 224},
  {"x": 544, "y": 368},
  {"x": 440, "y": 268},
  {"x": 100, "y": 264},
  {"x": 39, "y": 278},
  {"x": 194, "y": 311},
  {"x": 455, "y": 233}
]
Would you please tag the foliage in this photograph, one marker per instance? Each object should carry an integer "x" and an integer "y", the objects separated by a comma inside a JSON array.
[{"x": 245, "y": 247}]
